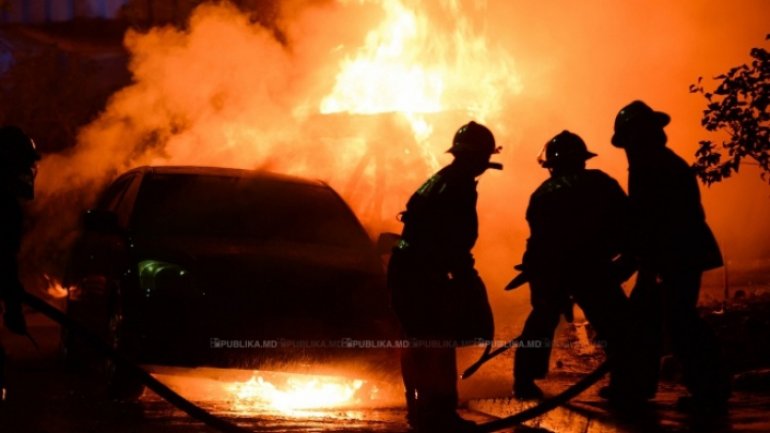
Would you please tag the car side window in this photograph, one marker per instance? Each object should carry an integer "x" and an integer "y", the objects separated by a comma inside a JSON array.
[
  {"x": 126, "y": 203},
  {"x": 119, "y": 197},
  {"x": 254, "y": 207}
]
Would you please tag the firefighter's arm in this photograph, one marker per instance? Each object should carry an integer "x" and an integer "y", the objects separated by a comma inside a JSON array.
[
  {"x": 11, "y": 291},
  {"x": 627, "y": 244},
  {"x": 523, "y": 276},
  {"x": 464, "y": 272},
  {"x": 624, "y": 266}
]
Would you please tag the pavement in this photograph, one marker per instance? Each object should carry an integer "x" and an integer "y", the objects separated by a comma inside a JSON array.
[
  {"x": 588, "y": 413},
  {"x": 47, "y": 397}
]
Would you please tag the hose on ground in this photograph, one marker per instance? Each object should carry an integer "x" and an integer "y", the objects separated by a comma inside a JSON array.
[
  {"x": 225, "y": 426},
  {"x": 548, "y": 404},
  {"x": 141, "y": 375}
]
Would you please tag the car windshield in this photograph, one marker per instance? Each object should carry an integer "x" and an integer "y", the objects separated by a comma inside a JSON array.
[{"x": 244, "y": 207}]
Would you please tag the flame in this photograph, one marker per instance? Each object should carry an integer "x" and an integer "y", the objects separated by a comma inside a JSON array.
[
  {"x": 299, "y": 392},
  {"x": 55, "y": 289},
  {"x": 411, "y": 65},
  {"x": 424, "y": 66}
]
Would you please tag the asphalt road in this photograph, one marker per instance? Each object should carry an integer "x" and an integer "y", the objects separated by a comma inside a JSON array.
[{"x": 45, "y": 396}]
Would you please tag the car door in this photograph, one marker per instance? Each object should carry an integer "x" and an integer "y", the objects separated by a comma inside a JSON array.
[{"x": 100, "y": 258}]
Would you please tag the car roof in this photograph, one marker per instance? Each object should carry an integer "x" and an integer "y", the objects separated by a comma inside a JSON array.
[{"x": 223, "y": 171}]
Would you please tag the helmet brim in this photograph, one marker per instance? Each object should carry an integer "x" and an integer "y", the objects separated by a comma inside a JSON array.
[
  {"x": 656, "y": 119},
  {"x": 660, "y": 118},
  {"x": 460, "y": 148},
  {"x": 585, "y": 156}
]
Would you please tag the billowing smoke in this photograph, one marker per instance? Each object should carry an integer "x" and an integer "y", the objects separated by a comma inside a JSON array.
[{"x": 310, "y": 95}]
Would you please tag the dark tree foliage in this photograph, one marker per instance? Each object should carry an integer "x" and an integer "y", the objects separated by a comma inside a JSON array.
[{"x": 739, "y": 109}]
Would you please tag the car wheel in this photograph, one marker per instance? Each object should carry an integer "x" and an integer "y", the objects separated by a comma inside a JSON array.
[
  {"x": 74, "y": 352},
  {"x": 70, "y": 350},
  {"x": 121, "y": 383}
]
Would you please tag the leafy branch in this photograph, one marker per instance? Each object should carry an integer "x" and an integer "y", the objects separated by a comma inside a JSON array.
[{"x": 738, "y": 108}]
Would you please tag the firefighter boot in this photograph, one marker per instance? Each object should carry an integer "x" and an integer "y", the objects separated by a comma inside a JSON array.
[
  {"x": 412, "y": 411},
  {"x": 526, "y": 389},
  {"x": 438, "y": 414}
]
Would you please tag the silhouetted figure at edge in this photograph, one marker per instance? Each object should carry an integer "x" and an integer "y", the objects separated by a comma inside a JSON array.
[
  {"x": 674, "y": 246},
  {"x": 578, "y": 221},
  {"x": 436, "y": 292},
  {"x": 18, "y": 159}
]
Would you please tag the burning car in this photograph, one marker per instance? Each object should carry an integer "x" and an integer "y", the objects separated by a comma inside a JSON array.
[{"x": 226, "y": 267}]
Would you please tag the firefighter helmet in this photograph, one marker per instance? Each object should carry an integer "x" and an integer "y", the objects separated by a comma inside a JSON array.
[
  {"x": 473, "y": 137},
  {"x": 17, "y": 150},
  {"x": 18, "y": 159},
  {"x": 562, "y": 148},
  {"x": 634, "y": 115}
]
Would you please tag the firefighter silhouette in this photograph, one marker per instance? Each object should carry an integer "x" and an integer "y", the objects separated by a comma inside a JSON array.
[
  {"x": 674, "y": 246},
  {"x": 18, "y": 158},
  {"x": 436, "y": 292},
  {"x": 578, "y": 225}
]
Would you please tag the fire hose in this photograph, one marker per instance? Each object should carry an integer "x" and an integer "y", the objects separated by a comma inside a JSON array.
[
  {"x": 548, "y": 404},
  {"x": 545, "y": 405},
  {"x": 141, "y": 375},
  {"x": 223, "y": 425}
]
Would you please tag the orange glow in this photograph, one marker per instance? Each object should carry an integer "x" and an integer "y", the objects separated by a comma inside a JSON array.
[
  {"x": 299, "y": 392},
  {"x": 55, "y": 289},
  {"x": 318, "y": 391}
]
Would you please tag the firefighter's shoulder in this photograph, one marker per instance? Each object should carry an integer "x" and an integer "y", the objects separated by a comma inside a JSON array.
[
  {"x": 446, "y": 181},
  {"x": 434, "y": 185},
  {"x": 597, "y": 174},
  {"x": 599, "y": 177},
  {"x": 552, "y": 185}
]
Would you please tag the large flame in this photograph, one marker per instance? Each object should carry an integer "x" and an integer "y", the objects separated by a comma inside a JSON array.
[
  {"x": 409, "y": 64},
  {"x": 429, "y": 72}
]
